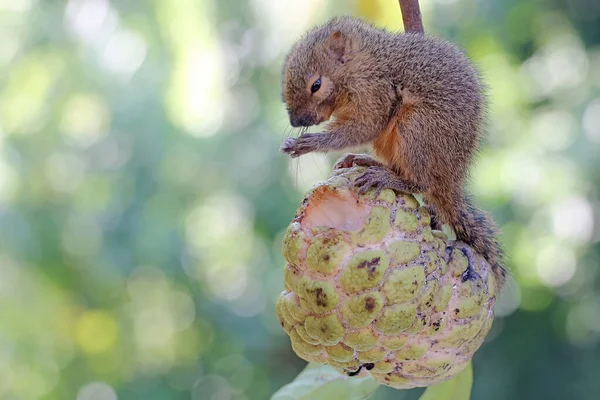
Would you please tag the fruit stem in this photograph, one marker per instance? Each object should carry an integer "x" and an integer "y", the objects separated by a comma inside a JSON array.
[{"x": 411, "y": 16}]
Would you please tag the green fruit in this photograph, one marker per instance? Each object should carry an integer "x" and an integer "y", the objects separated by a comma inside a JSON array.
[
  {"x": 359, "y": 311},
  {"x": 369, "y": 285},
  {"x": 364, "y": 271}
]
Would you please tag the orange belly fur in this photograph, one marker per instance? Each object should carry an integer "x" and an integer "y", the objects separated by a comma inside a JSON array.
[{"x": 389, "y": 144}]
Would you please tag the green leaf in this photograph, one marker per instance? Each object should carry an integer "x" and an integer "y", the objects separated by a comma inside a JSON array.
[
  {"x": 457, "y": 388},
  {"x": 321, "y": 382}
]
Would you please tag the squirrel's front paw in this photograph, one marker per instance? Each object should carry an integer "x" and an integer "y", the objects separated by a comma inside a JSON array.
[
  {"x": 288, "y": 145},
  {"x": 360, "y": 160},
  {"x": 295, "y": 147}
]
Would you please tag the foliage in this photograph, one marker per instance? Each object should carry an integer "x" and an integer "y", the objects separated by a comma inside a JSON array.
[
  {"x": 319, "y": 381},
  {"x": 458, "y": 388},
  {"x": 143, "y": 198}
]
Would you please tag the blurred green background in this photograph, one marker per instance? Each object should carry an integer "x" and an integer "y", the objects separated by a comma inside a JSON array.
[{"x": 143, "y": 197}]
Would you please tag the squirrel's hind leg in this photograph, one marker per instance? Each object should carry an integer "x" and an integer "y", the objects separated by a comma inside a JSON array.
[{"x": 382, "y": 178}]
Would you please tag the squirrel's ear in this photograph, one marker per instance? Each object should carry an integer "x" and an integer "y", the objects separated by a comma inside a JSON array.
[{"x": 337, "y": 44}]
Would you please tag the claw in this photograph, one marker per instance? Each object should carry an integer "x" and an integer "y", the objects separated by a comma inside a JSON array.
[
  {"x": 304, "y": 144},
  {"x": 288, "y": 146},
  {"x": 347, "y": 161},
  {"x": 342, "y": 163},
  {"x": 370, "y": 178},
  {"x": 378, "y": 188},
  {"x": 363, "y": 189},
  {"x": 383, "y": 179},
  {"x": 350, "y": 160}
]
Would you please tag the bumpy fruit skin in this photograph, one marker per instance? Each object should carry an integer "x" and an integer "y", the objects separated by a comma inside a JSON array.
[{"x": 369, "y": 286}]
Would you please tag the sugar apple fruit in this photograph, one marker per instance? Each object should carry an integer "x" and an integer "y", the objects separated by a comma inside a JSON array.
[{"x": 370, "y": 288}]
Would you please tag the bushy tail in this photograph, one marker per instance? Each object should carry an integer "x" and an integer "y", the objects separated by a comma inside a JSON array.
[{"x": 474, "y": 227}]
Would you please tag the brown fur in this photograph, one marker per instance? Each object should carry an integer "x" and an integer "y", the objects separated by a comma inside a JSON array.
[
  {"x": 389, "y": 144},
  {"x": 416, "y": 99}
]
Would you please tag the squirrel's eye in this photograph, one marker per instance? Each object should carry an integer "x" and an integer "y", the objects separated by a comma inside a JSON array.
[{"x": 316, "y": 86}]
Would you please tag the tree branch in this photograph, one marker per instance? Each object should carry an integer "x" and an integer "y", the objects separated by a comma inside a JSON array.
[{"x": 411, "y": 16}]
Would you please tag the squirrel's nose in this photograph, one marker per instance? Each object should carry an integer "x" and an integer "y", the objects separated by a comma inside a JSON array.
[{"x": 301, "y": 120}]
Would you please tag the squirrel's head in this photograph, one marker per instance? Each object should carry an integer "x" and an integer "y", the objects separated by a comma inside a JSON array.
[{"x": 312, "y": 76}]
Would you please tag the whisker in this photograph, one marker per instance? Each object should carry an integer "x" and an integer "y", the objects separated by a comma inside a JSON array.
[
  {"x": 316, "y": 164},
  {"x": 299, "y": 170},
  {"x": 270, "y": 124},
  {"x": 286, "y": 131}
]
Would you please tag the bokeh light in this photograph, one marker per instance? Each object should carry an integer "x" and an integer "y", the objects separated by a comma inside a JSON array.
[{"x": 143, "y": 197}]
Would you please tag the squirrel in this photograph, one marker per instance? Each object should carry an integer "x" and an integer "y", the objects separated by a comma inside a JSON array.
[{"x": 416, "y": 99}]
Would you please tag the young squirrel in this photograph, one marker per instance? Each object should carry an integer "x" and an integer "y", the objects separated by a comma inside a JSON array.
[{"x": 416, "y": 99}]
